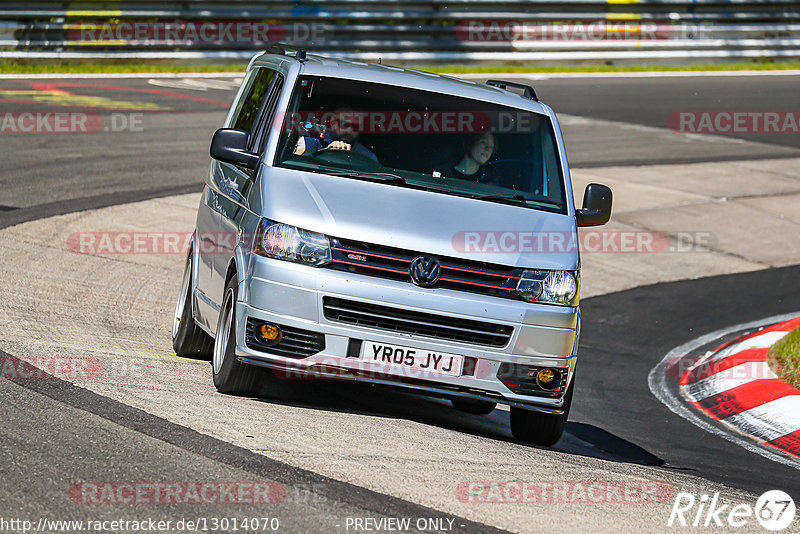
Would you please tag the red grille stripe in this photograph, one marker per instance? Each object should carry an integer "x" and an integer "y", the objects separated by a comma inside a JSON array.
[
  {"x": 406, "y": 260},
  {"x": 372, "y": 266}
]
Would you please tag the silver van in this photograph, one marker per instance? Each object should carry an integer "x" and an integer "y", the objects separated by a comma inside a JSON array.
[{"x": 366, "y": 222}]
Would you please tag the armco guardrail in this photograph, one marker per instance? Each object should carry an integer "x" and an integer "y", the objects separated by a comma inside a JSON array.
[{"x": 409, "y": 30}]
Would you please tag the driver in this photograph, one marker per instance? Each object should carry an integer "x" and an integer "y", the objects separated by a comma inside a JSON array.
[
  {"x": 340, "y": 136},
  {"x": 473, "y": 164}
]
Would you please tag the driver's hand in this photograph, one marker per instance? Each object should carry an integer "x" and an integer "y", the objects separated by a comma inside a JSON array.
[{"x": 339, "y": 145}]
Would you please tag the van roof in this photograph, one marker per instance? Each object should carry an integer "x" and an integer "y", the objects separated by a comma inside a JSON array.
[{"x": 403, "y": 77}]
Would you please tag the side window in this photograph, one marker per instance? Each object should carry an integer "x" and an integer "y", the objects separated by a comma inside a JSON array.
[
  {"x": 233, "y": 182},
  {"x": 551, "y": 184},
  {"x": 247, "y": 112},
  {"x": 263, "y": 128}
]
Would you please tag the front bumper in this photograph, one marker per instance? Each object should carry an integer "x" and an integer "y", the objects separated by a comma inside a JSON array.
[{"x": 292, "y": 295}]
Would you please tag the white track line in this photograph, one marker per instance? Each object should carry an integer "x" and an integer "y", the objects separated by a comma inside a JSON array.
[
  {"x": 657, "y": 381},
  {"x": 754, "y": 342},
  {"x": 728, "y": 379},
  {"x": 751, "y": 343},
  {"x": 762, "y": 341},
  {"x": 74, "y": 75},
  {"x": 770, "y": 420}
]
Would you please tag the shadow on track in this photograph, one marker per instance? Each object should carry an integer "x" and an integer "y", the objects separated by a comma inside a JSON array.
[{"x": 384, "y": 401}]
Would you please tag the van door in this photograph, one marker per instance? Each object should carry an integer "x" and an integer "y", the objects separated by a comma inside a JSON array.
[{"x": 235, "y": 185}]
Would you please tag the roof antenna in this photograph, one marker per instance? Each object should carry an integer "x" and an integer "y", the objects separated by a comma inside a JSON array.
[
  {"x": 301, "y": 56},
  {"x": 379, "y": 60}
]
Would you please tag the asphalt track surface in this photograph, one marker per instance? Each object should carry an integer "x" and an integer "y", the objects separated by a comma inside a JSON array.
[
  {"x": 625, "y": 334},
  {"x": 651, "y": 101}
]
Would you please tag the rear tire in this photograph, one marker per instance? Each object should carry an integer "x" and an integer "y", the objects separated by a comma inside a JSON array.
[
  {"x": 476, "y": 407},
  {"x": 188, "y": 339},
  {"x": 540, "y": 428},
  {"x": 230, "y": 375}
]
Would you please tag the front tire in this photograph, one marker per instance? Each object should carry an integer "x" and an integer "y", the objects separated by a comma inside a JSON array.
[
  {"x": 188, "y": 339},
  {"x": 230, "y": 375},
  {"x": 540, "y": 428}
]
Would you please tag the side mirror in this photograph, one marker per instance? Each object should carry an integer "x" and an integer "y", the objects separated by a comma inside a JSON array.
[
  {"x": 596, "y": 206},
  {"x": 230, "y": 146}
]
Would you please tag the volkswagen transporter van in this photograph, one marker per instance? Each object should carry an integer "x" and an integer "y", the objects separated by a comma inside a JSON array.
[{"x": 370, "y": 223}]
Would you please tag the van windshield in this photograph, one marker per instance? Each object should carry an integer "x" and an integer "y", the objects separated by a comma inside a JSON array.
[{"x": 421, "y": 139}]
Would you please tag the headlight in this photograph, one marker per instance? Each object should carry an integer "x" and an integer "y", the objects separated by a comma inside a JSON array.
[
  {"x": 549, "y": 287},
  {"x": 285, "y": 242}
]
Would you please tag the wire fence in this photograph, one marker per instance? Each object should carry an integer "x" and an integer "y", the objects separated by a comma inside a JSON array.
[{"x": 505, "y": 31}]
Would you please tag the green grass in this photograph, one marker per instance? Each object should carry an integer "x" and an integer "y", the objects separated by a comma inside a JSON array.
[
  {"x": 460, "y": 69},
  {"x": 55, "y": 66},
  {"x": 14, "y": 66},
  {"x": 784, "y": 358}
]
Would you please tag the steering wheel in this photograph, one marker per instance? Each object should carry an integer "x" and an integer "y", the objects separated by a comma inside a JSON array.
[
  {"x": 509, "y": 172},
  {"x": 347, "y": 158}
]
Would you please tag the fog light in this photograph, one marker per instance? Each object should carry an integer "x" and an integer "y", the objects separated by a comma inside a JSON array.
[
  {"x": 548, "y": 379},
  {"x": 270, "y": 333}
]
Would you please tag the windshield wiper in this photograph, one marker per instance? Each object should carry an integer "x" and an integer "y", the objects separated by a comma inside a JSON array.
[
  {"x": 518, "y": 197},
  {"x": 393, "y": 179},
  {"x": 383, "y": 176}
]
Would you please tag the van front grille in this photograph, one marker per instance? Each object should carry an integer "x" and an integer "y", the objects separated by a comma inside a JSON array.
[
  {"x": 393, "y": 263},
  {"x": 418, "y": 323}
]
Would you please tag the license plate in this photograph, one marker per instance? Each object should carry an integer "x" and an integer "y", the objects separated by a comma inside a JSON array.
[{"x": 411, "y": 362}]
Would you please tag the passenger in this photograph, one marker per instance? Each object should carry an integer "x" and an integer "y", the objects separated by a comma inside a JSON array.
[
  {"x": 340, "y": 136},
  {"x": 473, "y": 164}
]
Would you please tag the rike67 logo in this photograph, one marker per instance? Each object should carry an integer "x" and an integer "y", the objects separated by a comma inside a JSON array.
[{"x": 774, "y": 510}]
